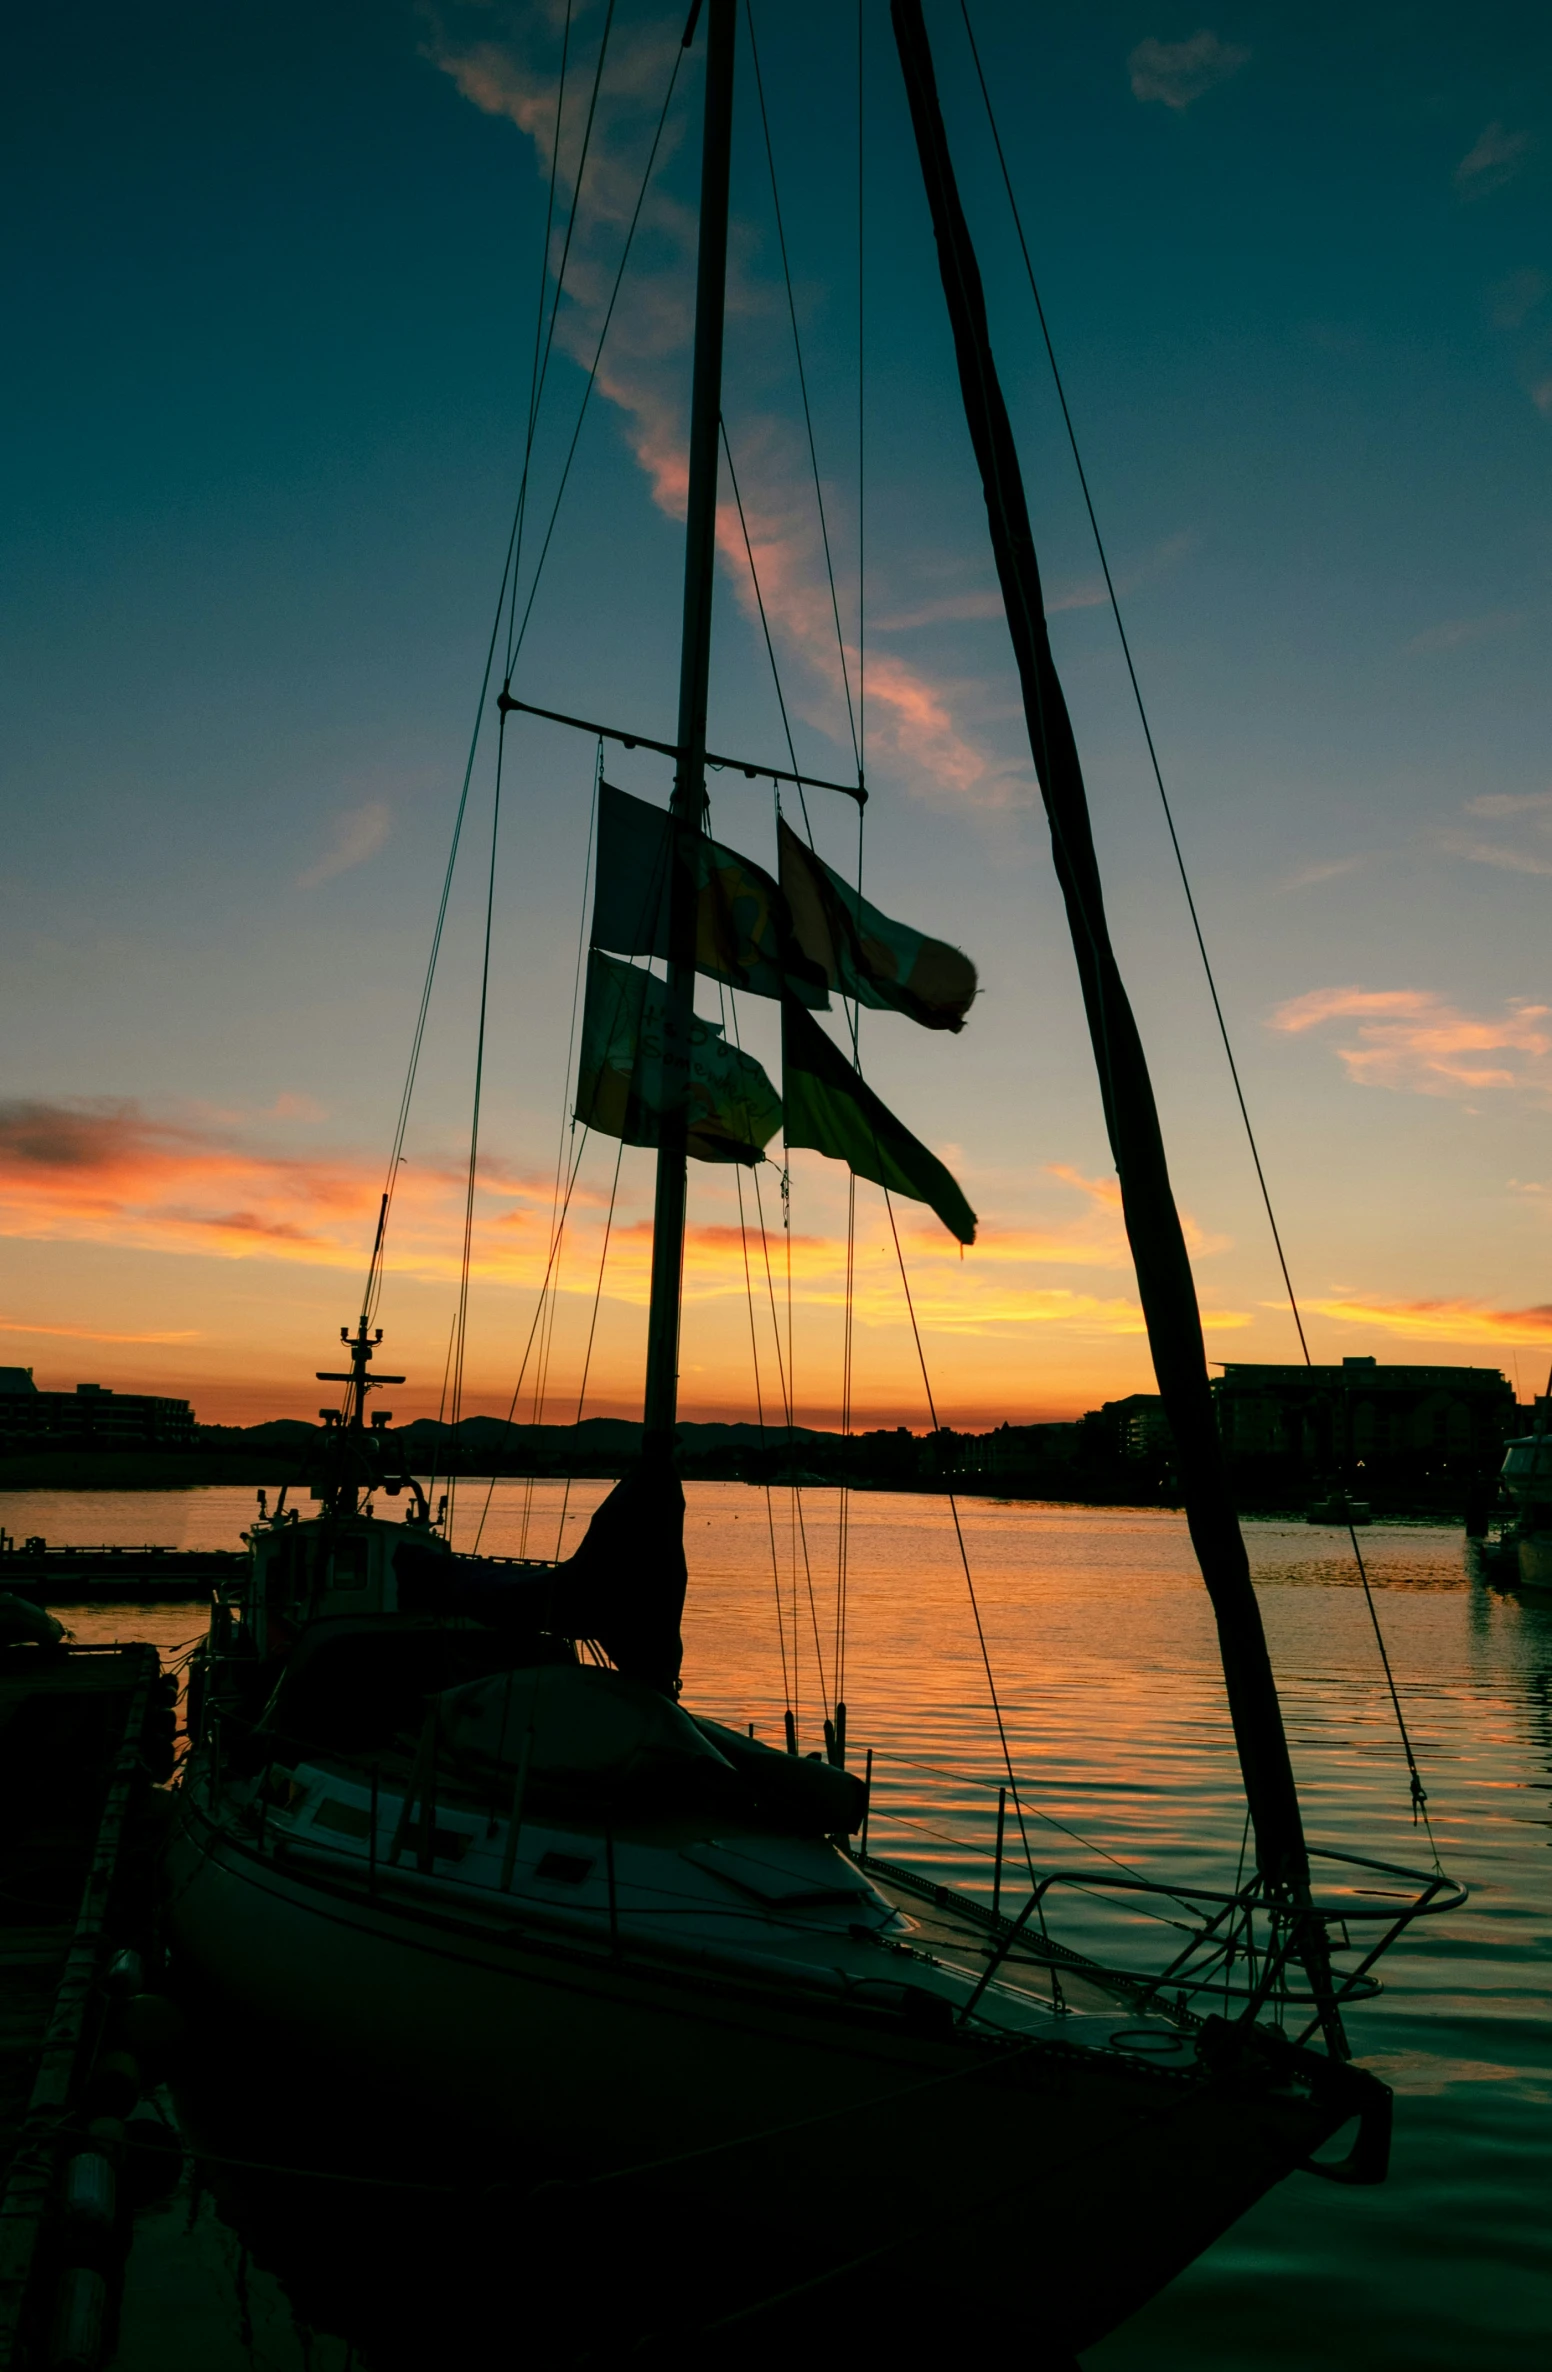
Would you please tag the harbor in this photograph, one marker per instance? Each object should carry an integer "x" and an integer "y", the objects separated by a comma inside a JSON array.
[
  {"x": 810, "y": 806},
  {"x": 1457, "y": 2031}
]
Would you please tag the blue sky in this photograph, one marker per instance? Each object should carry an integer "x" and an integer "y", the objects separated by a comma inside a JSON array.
[{"x": 271, "y": 297}]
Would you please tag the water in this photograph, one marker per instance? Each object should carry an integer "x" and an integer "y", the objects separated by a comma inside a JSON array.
[{"x": 1100, "y": 1640}]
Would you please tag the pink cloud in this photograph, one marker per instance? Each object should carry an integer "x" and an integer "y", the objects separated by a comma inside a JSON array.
[
  {"x": 1415, "y": 1040},
  {"x": 914, "y": 721}
]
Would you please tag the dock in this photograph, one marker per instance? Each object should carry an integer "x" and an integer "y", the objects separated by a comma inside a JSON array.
[
  {"x": 62, "y": 1576},
  {"x": 83, "y": 1732}
]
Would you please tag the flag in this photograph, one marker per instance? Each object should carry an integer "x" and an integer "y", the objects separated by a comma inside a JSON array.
[
  {"x": 743, "y": 932},
  {"x": 830, "y": 1107},
  {"x": 734, "y": 1111},
  {"x": 864, "y": 955}
]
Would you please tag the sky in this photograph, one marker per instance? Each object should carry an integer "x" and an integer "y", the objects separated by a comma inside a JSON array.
[{"x": 273, "y": 295}]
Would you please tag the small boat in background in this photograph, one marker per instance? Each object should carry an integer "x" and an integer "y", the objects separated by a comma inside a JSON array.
[
  {"x": 1527, "y": 1484},
  {"x": 1338, "y": 1507}
]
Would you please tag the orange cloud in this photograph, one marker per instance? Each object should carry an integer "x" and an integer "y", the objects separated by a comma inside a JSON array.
[
  {"x": 1443, "y": 1321},
  {"x": 642, "y": 373},
  {"x": 1413, "y": 1039}
]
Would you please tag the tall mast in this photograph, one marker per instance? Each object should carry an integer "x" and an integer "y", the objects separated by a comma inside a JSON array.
[{"x": 689, "y": 799}]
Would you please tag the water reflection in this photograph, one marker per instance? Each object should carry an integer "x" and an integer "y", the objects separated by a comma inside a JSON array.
[{"x": 1102, "y": 1643}]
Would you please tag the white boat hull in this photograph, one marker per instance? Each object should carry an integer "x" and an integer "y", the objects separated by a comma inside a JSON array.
[{"x": 804, "y": 2138}]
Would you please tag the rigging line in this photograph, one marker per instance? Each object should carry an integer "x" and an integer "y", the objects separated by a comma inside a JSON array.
[
  {"x": 727, "y": 1006},
  {"x": 1126, "y": 652},
  {"x": 375, "y": 1271},
  {"x": 551, "y": 1300},
  {"x": 1419, "y": 1792},
  {"x": 468, "y": 1196},
  {"x": 474, "y": 1120},
  {"x": 792, "y": 1447},
  {"x": 437, "y": 1438},
  {"x": 770, "y": 651},
  {"x": 786, "y": 1405},
  {"x": 953, "y": 1508},
  {"x": 862, "y": 575},
  {"x": 1419, "y": 1795},
  {"x": 571, "y": 450},
  {"x": 759, "y": 1405},
  {"x": 547, "y": 1335},
  {"x": 560, "y": 278},
  {"x": 533, "y": 1329},
  {"x": 587, "y": 1356},
  {"x": 843, "y": 1510},
  {"x": 544, "y": 274},
  {"x": 808, "y": 418}
]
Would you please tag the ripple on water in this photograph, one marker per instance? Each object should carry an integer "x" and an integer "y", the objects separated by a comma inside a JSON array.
[{"x": 1101, "y": 1640}]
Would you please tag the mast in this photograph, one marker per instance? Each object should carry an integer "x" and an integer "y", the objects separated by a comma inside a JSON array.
[
  {"x": 689, "y": 800},
  {"x": 1164, "y": 1279}
]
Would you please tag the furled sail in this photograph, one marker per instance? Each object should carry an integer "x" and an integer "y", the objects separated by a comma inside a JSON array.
[
  {"x": 831, "y": 1109},
  {"x": 733, "y": 1109},
  {"x": 1164, "y": 1279},
  {"x": 743, "y": 931},
  {"x": 861, "y": 954}
]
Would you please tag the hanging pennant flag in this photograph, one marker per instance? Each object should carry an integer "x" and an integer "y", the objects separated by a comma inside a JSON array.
[
  {"x": 861, "y": 953},
  {"x": 734, "y": 1109},
  {"x": 830, "y": 1107},
  {"x": 743, "y": 930}
]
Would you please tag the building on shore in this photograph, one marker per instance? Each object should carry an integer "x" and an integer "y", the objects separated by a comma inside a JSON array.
[
  {"x": 1386, "y": 1424},
  {"x": 89, "y": 1418}
]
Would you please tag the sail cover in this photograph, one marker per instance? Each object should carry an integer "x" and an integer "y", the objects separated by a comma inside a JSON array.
[
  {"x": 831, "y": 1109},
  {"x": 734, "y": 1111},
  {"x": 743, "y": 931},
  {"x": 862, "y": 954}
]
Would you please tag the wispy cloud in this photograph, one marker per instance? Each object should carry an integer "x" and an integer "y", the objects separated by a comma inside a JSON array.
[
  {"x": 1494, "y": 852},
  {"x": 1329, "y": 870},
  {"x": 1442, "y": 1321},
  {"x": 1456, "y": 631},
  {"x": 1500, "y": 803},
  {"x": 1494, "y": 158},
  {"x": 1512, "y": 300},
  {"x": 89, "y": 1333},
  {"x": 1094, "y": 593},
  {"x": 1541, "y": 397},
  {"x": 1532, "y": 808},
  {"x": 358, "y": 835},
  {"x": 1414, "y": 1040},
  {"x": 1176, "y": 72},
  {"x": 916, "y": 718}
]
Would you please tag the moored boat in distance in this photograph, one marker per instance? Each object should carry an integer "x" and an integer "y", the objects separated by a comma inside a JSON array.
[
  {"x": 1526, "y": 1482},
  {"x": 1338, "y": 1507}
]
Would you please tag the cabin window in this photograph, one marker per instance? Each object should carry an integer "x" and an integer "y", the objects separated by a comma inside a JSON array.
[
  {"x": 350, "y": 1563},
  {"x": 569, "y": 1869}
]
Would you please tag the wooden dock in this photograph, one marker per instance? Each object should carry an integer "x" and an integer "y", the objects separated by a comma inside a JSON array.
[
  {"x": 82, "y": 1731},
  {"x": 55, "y": 1576}
]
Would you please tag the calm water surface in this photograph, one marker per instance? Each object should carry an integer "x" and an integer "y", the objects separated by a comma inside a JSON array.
[{"x": 1101, "y": 1644}]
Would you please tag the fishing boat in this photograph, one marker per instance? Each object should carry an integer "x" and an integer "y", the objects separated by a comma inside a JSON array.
[{"x": 452, "y": 1825}]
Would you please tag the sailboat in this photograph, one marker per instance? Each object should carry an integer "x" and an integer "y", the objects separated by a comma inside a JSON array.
[{"x": 450, "y": 1826}]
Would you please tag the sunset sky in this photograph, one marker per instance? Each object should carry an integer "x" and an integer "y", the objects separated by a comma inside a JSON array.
[{"x": 274, "y": 277}]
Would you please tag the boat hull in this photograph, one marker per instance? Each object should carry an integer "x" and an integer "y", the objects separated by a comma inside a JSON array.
[
  {"x": 1535, "y": 1559},
  {"x": 806, "y": 2143}
]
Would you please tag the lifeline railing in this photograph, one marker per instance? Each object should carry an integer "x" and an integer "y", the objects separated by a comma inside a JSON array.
[{"x": 1241, "y": 1943}]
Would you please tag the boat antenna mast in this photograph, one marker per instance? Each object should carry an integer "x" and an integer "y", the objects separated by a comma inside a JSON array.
[
  {"x": 351, "y": 1451},
  {"x": 688, "y": 805}
]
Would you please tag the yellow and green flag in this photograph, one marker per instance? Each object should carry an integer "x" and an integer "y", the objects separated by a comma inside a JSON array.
[
  {"x": 743, "y": 932},
  {"x": 860, "y": 953},
  {"x": 831, "y": 1108},
  {"x": 734, "y": 1111}
]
